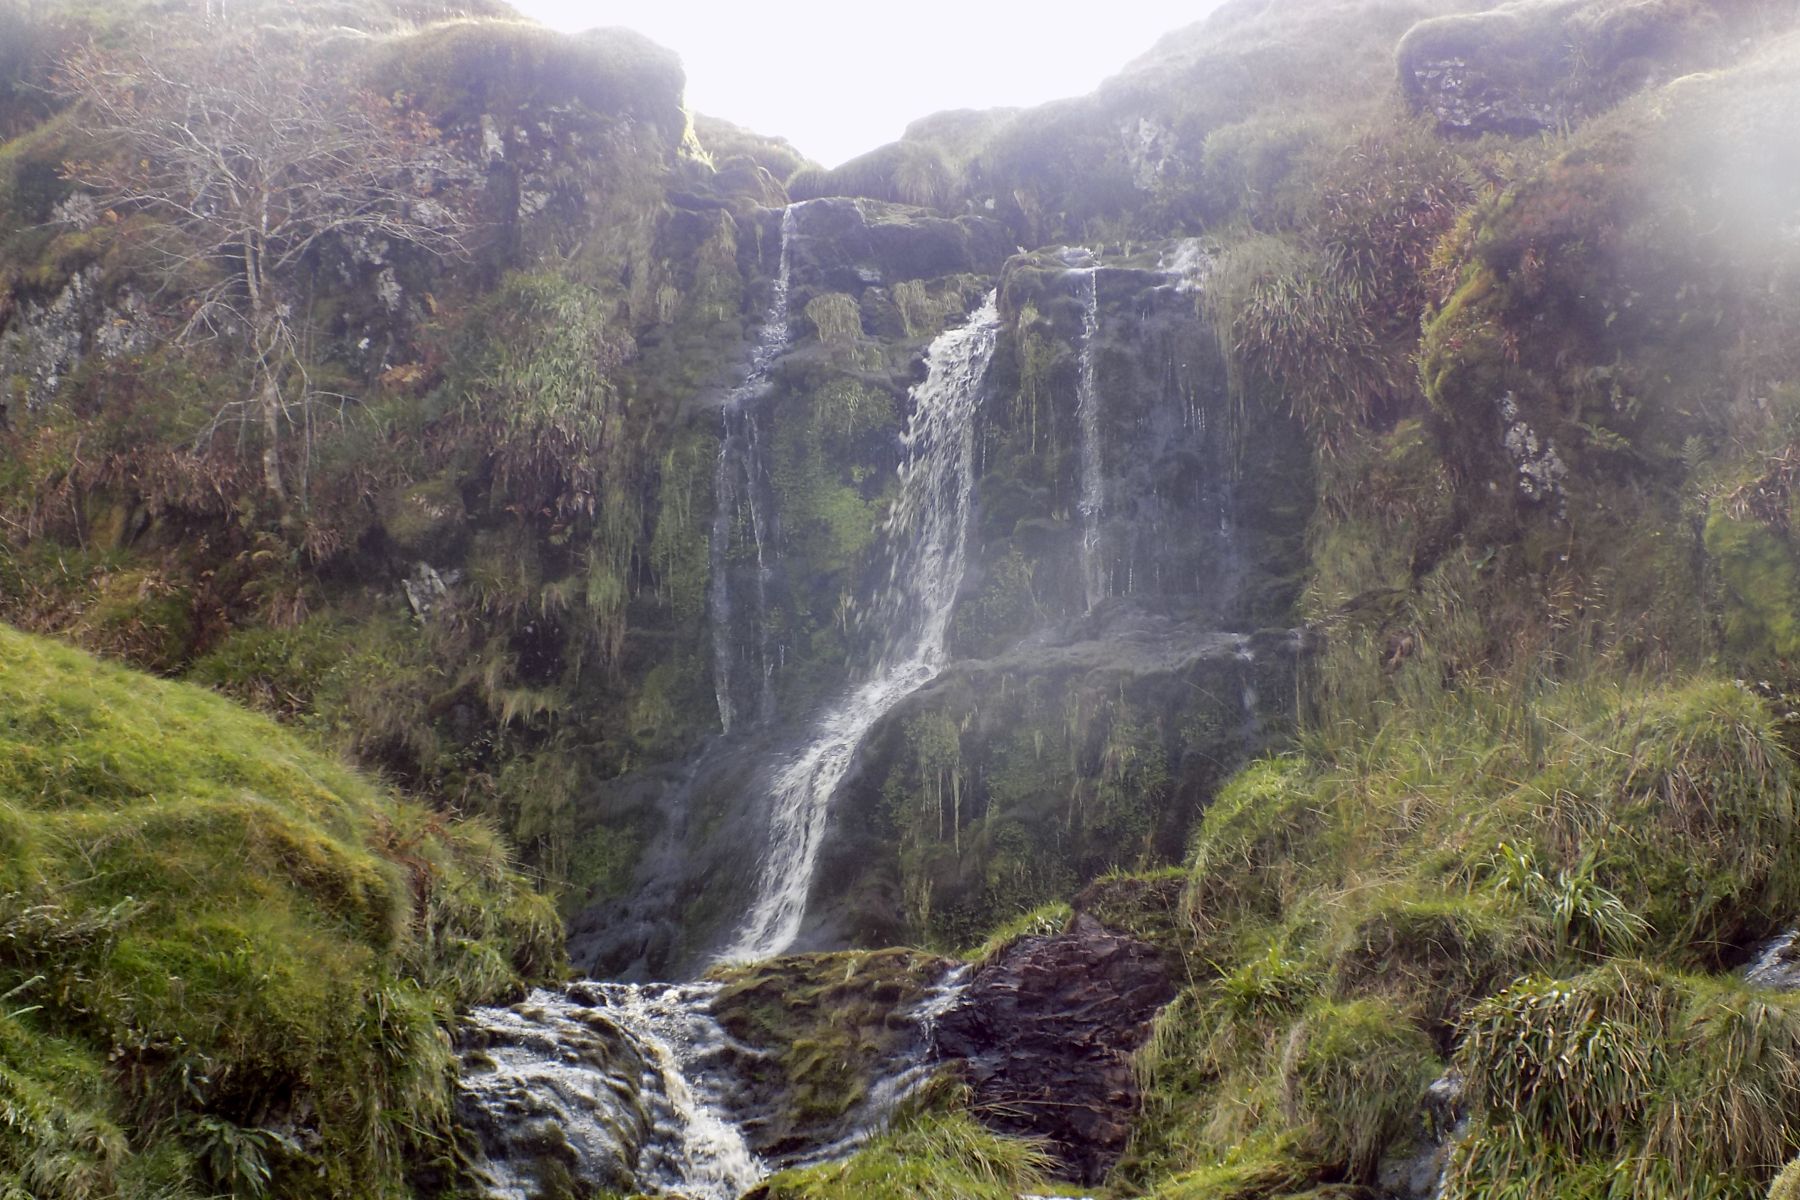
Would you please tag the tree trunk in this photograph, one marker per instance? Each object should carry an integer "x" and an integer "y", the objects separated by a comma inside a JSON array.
[
  {"x": 270, "y": 402},
  {"x": 266, "y": 340}
]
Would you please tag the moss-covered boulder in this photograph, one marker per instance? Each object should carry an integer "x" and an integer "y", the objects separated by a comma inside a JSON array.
[
  {"x": 847, "y": 245},
  {"x": 1537, "y": 65},
  {"x": 836, "y": 1037}
]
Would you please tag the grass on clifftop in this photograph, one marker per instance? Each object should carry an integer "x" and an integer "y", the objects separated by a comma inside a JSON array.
[{"x": 228, "y": 963}]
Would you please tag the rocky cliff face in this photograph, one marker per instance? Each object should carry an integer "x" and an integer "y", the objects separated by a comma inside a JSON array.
[{"x": 1351, "y": 361}]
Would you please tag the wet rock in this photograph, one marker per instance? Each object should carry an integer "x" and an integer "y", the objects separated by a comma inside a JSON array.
[
  {"x": 1777, "y": 964},
  {"x": 848, "y": 245},
  {"x": 1196, "y": 702},
  {"x": 1418, "y": 1174},
  {"x": 549, "y": 1092},
  {"x": 1537, "y": 65},
  {"x": 1047, "y": 1030},
  {"x": 832, "y": 1043}
]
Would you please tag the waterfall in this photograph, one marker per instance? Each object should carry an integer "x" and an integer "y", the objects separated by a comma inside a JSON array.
[
  {"x": 1095, "y": 572},
  {"x": 630, "y": 1086},
  {"x": 927, "y": 531},
  {"x": 740, "y": 497}
]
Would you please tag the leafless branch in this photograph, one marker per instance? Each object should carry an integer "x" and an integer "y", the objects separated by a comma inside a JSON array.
[{"x": 248, "y": 157}]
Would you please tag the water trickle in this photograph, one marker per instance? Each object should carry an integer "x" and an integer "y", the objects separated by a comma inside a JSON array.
[
  {"x": 1092, "y": 502},
  {"x": 927, "y": 532},
  {"x": 741, "y": 503}
]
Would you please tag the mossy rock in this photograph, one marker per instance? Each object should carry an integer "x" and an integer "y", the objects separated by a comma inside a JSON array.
[
  {"x": 1526, "y": 68},
  {"x": 827, "y": 1023},
  {"x": 1146, "y": 906},
  {"x": 426, "y": 520},
  {"x": 459, "y": 70}
]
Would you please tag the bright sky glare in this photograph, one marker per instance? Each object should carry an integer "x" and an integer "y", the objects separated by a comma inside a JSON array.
[{"x": 838, "y": 77}]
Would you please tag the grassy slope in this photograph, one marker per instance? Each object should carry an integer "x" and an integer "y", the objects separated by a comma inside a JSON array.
[
  {"x": 1538, "y": 886},
  {"x": 229, "y": 962}
]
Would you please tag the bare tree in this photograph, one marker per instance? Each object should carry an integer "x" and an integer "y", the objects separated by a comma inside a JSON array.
[{"x": 249, "y": 157}]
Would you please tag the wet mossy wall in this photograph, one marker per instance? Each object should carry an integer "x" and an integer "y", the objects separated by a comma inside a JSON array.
[{"x": 1012, "y": 783}]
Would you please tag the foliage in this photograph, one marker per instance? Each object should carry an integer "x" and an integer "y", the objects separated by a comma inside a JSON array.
[
  {"x": 223, "y": 948},
  {"x": 1352, "y": 1074},
  {"x": 1383, "y": 888},
  {"x": 250, "y": 159},
  {"x": 1295, "y": 328},
  {"x": 923, "y": 1156}
]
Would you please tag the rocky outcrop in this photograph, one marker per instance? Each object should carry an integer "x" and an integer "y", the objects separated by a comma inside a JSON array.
[
  {"x": 1539, "y": 65},
  {"x": 43, "y": 343},
  {"x": 850, "y": 245},
  {"x": 829, "y": 1044},
  {"x": 1046, "y": 1030},
  {"x": 1013, "y": 780}
]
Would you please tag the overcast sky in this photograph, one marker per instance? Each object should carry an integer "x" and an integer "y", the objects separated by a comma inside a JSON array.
[{"x": 838, "y": 77}]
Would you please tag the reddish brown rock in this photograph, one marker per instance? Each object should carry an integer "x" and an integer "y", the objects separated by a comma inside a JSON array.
[{"x": 1047, "y": 1030}]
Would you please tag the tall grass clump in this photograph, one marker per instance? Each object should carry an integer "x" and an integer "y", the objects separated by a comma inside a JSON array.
[
  {"x": 924, "y": 1156},
  {"x": 1512, "y": 874}
]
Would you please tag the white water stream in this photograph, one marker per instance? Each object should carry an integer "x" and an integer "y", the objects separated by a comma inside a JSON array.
[
  {"x": 928, "y": 531},
  {"x": 1095, "y": 571},
  {"x": 618, "y": 1074}
]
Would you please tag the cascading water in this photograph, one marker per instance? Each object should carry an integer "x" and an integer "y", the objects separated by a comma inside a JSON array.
[
  {"x": 635, "y": 1088},
  {"x": 624, "y": 1075},
  {"x": 629, "y": 1085},
  {"x": 928, "y": 533},
  {"x": 636, "y": 934},
  {"x": 740, "y": 490},
  {"x": 1092, "y": 503}
]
